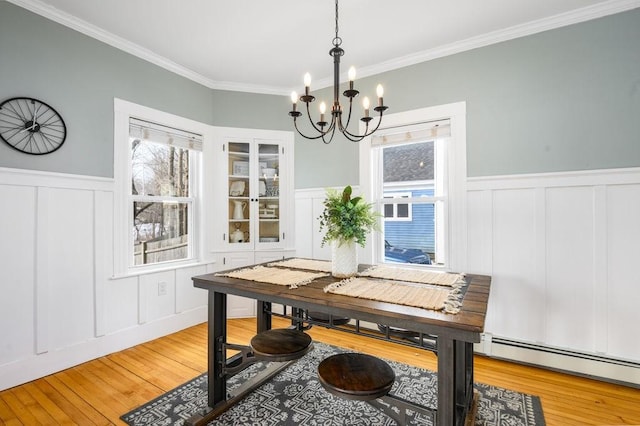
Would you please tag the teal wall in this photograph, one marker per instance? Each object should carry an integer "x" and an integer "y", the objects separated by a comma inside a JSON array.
[
  {"x": 79, "y": 76},
  {"x": 563, "y": 100}
]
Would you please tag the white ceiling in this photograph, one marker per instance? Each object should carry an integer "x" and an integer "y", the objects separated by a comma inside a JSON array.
[{"x": 266, "y": 46}]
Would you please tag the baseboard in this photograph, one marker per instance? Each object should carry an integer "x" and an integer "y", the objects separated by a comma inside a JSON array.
[
  {"x": 37, "y": 366},
  {"x": 574, "y": 362}
]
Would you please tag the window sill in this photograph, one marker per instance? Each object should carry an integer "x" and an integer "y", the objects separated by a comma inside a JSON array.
[{"x": 150, "y": 269}]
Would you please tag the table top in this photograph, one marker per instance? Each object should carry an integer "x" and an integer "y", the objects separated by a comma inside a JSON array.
[{"x": 465, "y": 325}]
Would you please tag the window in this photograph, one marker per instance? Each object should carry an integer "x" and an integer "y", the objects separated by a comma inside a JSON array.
[
  {"x": 414, "y": 171},
  {"x": 161, "y": 197},
  {"x": 157, "y": 160},
  {"x": 397, "y": 211}
]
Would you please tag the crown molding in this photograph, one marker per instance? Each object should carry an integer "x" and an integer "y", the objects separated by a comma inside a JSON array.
[
  {"x": 584, "y": 14},
  {"x": 564, "y": 19},
  {"x": 70, "y": 21}
]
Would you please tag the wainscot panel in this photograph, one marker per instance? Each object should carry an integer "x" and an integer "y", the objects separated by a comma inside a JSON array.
[{"x": 562, "y": 250}]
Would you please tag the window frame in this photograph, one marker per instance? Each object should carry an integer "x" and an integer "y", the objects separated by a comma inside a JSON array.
[
  {"x": 123, "y": 198},
  {"x": 409, "y": 204},
  {"x": 454, "y": 243}
]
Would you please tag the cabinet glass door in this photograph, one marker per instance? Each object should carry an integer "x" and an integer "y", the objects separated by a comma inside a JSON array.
[
  {"x": 268, "y": 193},
  {"x": 239, "y": 191}
]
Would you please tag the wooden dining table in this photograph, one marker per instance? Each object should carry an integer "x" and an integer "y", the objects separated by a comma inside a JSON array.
[{"x": 456, "y": 333}]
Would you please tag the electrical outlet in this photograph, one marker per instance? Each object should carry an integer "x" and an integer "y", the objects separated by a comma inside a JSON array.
[{"x": 162, "y": 288}]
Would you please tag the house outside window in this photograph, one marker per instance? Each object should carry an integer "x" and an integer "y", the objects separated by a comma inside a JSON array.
[
  {"x": 414, "y": 171},
  {"x": 413, "y": 166},
  {"x": 397, "y": 211}
]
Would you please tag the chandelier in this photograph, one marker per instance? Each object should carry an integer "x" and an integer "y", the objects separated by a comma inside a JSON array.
[{"x": 326, "y": 130}]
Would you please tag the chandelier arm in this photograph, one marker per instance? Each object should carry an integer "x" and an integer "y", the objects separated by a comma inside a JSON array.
[
  {"x": 355, "y": 138},
  {"x": 295, "y": 124},
  {"x": 348, "y": 116},
  {"x": 366, "y": 131},
  {"x": 333, "y": 132},
  {"x": 322, "y": 132},
  {"x": 376, "y": 128}
]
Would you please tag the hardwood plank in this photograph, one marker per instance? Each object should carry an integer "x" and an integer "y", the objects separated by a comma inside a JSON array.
[
  {"x": 33, "y": 407},
  {"x": 103, "y": 398},
  {"x": 20, "y": 412},
  {"x": 99, "y": 391},
  {"x": 7, "y": 415},
  {"x": 148, "y": 365},
  {"x": 71, "y": 402},
  {"x": 54, "y": 410}
]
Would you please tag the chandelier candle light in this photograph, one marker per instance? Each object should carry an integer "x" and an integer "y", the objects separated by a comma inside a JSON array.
[{"x": 326, "y": 130}]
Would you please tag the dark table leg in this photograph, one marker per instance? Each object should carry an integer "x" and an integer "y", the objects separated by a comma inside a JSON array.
[
  {"x": 216, "y": 356},
  {"x": 263, "y": 320},
  {"x": 464, "y": 376},
  {"x": 445, "y": 415},
  {"x": 455, "y": 381}
]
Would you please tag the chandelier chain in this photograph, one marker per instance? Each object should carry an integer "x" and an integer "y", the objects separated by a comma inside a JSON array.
[{"x": 337, "y": 41}]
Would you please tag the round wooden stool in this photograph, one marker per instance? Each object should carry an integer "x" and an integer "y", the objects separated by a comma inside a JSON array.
[
  {"x": 356, "y": 376},
  {"x": 328, "y": 319},
  {"x": 280, "y": 344}
]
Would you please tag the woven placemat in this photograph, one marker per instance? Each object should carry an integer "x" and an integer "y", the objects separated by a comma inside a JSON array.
[
  {"x": 279, "y": 276},
  {"x": 399, "y": 292},
  {"x": 413, "y": 275},
  {"x": 309, "y": 264}
]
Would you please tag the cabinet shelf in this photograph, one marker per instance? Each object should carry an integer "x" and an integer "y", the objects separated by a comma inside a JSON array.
[{"x": 256, "y": 171}]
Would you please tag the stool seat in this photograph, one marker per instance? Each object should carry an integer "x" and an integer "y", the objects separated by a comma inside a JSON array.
[
  {"x": 280, "y": 344},
  {"x": 328, "y": 319},
  {"x": 356, "y": 376}
]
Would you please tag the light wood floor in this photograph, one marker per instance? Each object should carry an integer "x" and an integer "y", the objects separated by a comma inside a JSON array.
[{"x": 99, "y": 391}]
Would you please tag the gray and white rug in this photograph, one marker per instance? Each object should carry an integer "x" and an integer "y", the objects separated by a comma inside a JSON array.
[{"x": 295, "y": 397}]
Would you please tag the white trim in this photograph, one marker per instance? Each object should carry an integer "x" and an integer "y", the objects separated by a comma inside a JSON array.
[
  {"x": 40, "y": 365},
  {"x": 456, "y": 170},
  {"x": 529, "y": 28},
  {"x": 557, "y": 21},
  {"x": 400, "y": 196},
  {"x": 134, "y": 49},
  {"x": 556, "y": 179},
  {"x": 123, "y": 241},
  {"x": 41, "y": 282},
  {"x": 24, "y": 177}
]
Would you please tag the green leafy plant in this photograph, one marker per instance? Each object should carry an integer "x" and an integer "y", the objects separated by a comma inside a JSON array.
[{"x": 346, "y": 219}]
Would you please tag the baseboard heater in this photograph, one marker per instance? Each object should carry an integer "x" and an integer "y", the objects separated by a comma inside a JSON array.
[{"x": 585, "y": 364}]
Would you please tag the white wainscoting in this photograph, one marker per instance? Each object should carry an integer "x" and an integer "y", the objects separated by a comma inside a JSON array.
[
  {"x": 59, "y": 305},
  {"x": 561, "y": 249},
  {"x": 308, "y": 207}
]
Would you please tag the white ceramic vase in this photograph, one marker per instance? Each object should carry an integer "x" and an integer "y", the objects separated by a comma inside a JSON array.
[{"x": 344, "y": 259}]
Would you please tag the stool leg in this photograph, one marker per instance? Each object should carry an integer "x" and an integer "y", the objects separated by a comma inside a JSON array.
[
  {"x": 403, "y": 406},
  {"x": 400, "y": 418}
]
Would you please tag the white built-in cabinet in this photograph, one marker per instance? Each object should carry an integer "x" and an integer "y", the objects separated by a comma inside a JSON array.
[{"x": 249, "y": 176}]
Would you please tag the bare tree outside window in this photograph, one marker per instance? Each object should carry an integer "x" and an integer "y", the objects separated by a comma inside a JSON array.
[{"x": 161, "y": 203}]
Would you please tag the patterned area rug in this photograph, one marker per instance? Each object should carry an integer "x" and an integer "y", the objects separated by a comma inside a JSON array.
[{"x": 295, "y": 397}]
